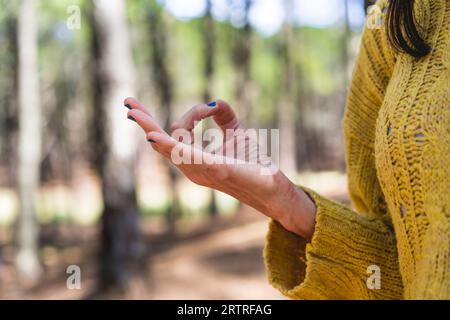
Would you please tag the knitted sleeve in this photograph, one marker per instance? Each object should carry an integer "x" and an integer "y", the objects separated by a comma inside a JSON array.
[
  {"x": 347, "y": 246},
  {"x": 431, "y": 279}
]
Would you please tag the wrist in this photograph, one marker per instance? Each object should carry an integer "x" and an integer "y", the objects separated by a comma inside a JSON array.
[{"x": 295, "y": 211}]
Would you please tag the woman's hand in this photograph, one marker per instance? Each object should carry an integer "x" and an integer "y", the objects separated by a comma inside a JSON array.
[{"x": 272, "y": 194}]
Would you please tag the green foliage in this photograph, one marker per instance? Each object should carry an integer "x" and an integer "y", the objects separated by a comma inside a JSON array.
[
  {"x": 320, "y": 60},
  {"x": 65, "y": 67}
]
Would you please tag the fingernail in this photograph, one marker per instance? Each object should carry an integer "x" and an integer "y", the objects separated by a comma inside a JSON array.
[
  {"x": 212, "y": 104},
  {"x": 132, "y": 119},
  {"x": 128, "y": 106},
  {"x": 151, "y": 140}
]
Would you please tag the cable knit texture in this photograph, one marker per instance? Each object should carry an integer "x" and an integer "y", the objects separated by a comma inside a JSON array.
[{"x": 397, "y": 137}]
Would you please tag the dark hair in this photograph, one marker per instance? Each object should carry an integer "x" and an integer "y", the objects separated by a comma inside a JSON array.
[{"x": 403, "y": 29}]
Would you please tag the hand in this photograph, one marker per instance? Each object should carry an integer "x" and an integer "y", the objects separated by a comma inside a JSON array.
[{"x": 274, "y": 195}]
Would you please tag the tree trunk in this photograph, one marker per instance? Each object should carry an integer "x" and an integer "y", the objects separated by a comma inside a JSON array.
[
  {"x": 287, "y": 112},
  {"x": 163, "y": 82},
  {"x": 241, "y": 53},
  {"x": 209, "y": 42},
  {"x": 29, "y": 152},
  {"x": 121, "y": 245},
  {"x": 8, "y": 114},
  {"x": 346, "y": 35},
  {"x": 241, "y": 57}
]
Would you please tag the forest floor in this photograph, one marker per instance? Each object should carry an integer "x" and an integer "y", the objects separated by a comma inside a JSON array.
[{"x": 208, "y": 259}]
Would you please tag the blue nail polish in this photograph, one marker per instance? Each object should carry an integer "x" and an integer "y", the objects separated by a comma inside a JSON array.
[
  {"x": 212, "y": 104},
  {"x": 132, "y": 119},
  {"x": 128, "y": 106}
]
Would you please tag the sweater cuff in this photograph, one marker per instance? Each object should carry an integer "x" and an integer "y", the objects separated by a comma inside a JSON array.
[
  {"x": 334, "y": 264},
  {"x": 340, "y": 232},
  {"x": 284, "y": 258}
]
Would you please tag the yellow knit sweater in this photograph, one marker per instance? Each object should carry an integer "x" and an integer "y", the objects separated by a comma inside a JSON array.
[{"x": 397, "y": 136}]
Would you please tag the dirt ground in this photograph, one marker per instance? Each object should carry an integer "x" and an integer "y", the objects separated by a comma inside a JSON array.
[
  {"x": 222, "y": 264},
  {"x": 220, "y": 259}
]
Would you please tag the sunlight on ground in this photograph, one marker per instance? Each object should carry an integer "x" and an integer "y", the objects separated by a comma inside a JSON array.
[
  {"x": 81, "y": 203},
  {"x": 212, "y": 259},
  {"x": 327, "y": 182},
  {"x": 9, "y": 206}
]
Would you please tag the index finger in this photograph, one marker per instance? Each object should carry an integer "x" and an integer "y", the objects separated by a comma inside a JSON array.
[{"x": 221, "y": 112}]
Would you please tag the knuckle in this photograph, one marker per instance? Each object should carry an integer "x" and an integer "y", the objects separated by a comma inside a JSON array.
[
  {"x": 166, "y": 153},
  {"x": 175, "y": 126},
  {"x": 219, "y": 173},
  {"x": 198, "y": 181},
  {"x": 197, "y": 111},
  {"x": 194, "y": 176}
]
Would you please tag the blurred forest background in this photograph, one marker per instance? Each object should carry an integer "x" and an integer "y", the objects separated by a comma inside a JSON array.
[{"x": 75, "y": 189}]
